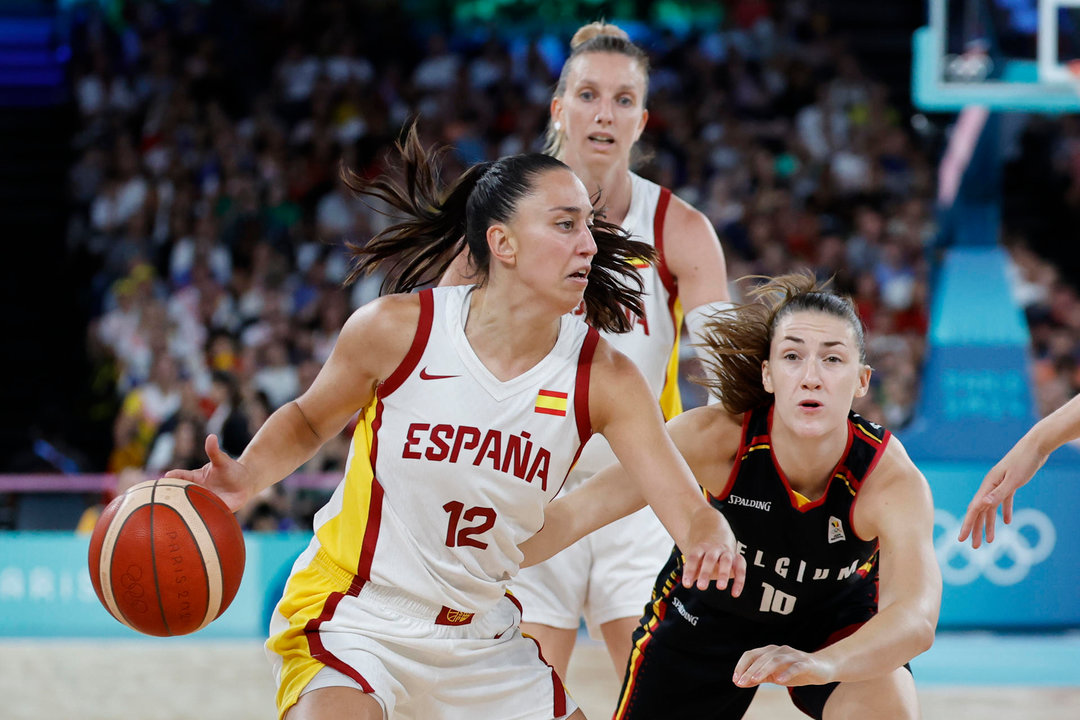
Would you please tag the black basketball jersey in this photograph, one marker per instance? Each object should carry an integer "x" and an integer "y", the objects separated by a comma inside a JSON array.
[{"x": 801, "y": 557}]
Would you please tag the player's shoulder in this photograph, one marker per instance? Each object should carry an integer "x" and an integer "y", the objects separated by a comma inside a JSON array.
[
  {"x": 895, "y": 458},
  {"x": 608, "y": 360},
  {"x": 895, "y": 470},
  {"x": 708, "y": 437},
  {"x": 709, "y": 424},
  {"x": 681, "y": 215},
  {"x": 388, "y": 312},
  {"x": 383, "y": 327}
]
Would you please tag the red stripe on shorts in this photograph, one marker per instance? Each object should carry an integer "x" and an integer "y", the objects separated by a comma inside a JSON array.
[{"x": 319, "y": 651}]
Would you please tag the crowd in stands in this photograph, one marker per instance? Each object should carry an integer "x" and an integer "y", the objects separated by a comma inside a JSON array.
[{"x": 206, "y": 197}]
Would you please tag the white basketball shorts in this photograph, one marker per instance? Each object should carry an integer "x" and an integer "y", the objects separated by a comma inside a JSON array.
[{"x": 388, "y": 645}]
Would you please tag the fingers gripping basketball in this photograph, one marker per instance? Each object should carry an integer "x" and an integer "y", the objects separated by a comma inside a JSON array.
[{"x": 166, "y": 557}]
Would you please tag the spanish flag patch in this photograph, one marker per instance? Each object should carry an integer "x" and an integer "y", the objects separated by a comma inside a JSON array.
[
  {"x": 550, "y": 402},
  {"x": 639, "y": 263}
]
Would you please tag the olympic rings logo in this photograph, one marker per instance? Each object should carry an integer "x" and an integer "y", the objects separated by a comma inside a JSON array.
[{"x": 1017, "y": 547}]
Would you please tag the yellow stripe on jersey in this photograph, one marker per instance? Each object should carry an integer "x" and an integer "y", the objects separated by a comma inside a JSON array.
[
  {"x": 752, "y": 448},
  {"x": 332, "y": 570},
  {"x": 843, "y": 477},
  {"x": 637, "y": 652},
  {"x": 800, "y": 499},
  {"x": 868, "y": 435},
  {"x": 550, "y": 402},
  {"x": 670, "y": 399},
  {"x": 343, "y": 534}
]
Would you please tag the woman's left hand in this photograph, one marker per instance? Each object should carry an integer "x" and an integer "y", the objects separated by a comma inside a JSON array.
[
  {"x": 711, "y": 554},
  {"x": 781, "y": 665}
]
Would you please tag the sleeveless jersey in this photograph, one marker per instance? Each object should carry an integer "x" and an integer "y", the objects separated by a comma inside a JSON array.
[
  {"x": 452, "y": 468},
  {"x": 799, "y": 559},
  {"x": 653, "y": 343}
]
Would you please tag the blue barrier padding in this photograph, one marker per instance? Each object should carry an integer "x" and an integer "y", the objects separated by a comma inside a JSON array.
[
  {"x": 1029, "y": 577},
  {"x": 976, "y": 398},
  {"x": 45, "y": 588}
]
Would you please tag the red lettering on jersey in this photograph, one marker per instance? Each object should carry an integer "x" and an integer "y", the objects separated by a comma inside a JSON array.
[
  {"x": 509, "y": 453},
  {"x": 439, "y": 435},
  {"x": 491, "y": 448},
  {"x": 411, "y": 440},
  {"x": 460, "y": 442},
  {"x": 515, "y": 455},
  {"x": 540, "y": 468}
]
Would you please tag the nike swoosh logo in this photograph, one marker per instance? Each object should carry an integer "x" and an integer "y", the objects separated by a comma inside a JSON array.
[{"x": 424, "y": 375}]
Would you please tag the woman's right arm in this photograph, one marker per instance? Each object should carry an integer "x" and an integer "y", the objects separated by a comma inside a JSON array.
[
  {"x": 1015, "y": 469},
  {"x": 371, "y": 345},
  {"x": 705, "y": 437}
]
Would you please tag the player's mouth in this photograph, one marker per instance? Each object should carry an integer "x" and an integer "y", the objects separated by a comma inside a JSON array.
[{"x": 602, "y": 139}]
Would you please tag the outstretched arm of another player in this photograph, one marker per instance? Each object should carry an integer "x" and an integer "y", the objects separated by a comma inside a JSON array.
[
  {"x": 1015, "y": 469},
  {"x": 623, "y": 409},
  {"x": 603, "y": 498},
  {"x": 895, "y": 506},
  {"x": 371, "y": 344},
  {"x": 706, "y": 438}
]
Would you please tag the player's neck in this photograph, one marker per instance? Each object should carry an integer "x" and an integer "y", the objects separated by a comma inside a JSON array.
[
  {"x": 613, "y": 183},
  {"x": 807, "y": 462},
  {"x": 509, "y": 337}
]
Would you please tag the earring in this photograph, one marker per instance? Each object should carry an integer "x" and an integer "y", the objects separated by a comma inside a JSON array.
[{"x": 558, "y": 126}]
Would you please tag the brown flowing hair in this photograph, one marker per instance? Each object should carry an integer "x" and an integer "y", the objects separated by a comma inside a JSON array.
[
  {"x": 739, "y": 339},
  {"x": 435, "y": 224}
]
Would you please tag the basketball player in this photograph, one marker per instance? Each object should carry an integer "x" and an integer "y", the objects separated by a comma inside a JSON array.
[
  {"x": 1016, "y": 468},
  {"x": 476, "y": 401},
  {"x": 597, "y": 115},
  {"x": 835, "y": 522}
]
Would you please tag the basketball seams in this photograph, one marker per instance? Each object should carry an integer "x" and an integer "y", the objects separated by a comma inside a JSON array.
[
  {"x": 153, "y": 560},
  {"x": 127, "y": 536},
  {"x": 204, "y": 541},
  {"x": 131, "y": 503}
]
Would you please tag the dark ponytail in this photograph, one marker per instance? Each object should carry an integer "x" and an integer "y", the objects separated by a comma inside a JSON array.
[
  {"x": 435, "y": 226},
  {"x": 417, "y": 250}
]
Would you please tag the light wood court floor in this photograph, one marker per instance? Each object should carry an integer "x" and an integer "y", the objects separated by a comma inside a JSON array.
[{"x": 191, "y": 679}]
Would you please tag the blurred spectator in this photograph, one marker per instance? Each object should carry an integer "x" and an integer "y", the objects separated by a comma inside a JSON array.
[
  {"x": 144, "y": 409},
  {"x": 227, "y": 418},
  {"x": 179, "y": 444},
  {"x": 214, "y": 218}
]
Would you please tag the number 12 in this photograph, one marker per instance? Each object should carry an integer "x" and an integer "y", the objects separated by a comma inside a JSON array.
[{"x": 463, "y": 537}]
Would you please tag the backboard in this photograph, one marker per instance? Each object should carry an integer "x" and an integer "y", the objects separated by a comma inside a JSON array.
[{"x": 1018, "y": 55}]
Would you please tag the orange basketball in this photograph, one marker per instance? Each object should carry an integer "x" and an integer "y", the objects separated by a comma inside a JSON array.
[{"x": 166, "y": 557}]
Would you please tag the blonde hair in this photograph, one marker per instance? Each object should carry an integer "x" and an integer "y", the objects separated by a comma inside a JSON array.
[
  {"x": 594, "y": 37},
  {"x": 739, "y": 339}
]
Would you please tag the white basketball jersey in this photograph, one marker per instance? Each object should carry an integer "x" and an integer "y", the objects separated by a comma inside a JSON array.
[
  {"x": 653, "y": 343},
  {"x": 452, "y": 468}
]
